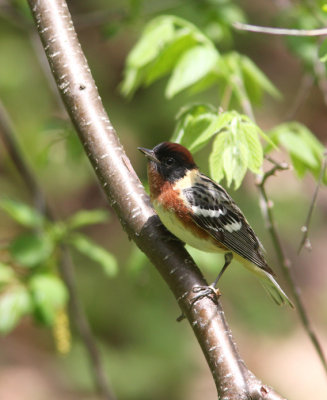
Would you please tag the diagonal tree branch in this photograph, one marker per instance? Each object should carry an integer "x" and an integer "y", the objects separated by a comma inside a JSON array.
[
  {"x": 65, "y": 263},
  {"x": 126, "y": 195}
]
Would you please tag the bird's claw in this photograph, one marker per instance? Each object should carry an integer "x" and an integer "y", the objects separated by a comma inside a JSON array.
[{"x": 205, "y": 291}]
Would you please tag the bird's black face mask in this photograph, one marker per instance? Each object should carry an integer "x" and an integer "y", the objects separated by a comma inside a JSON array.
[{"x": 172, "y": 163}]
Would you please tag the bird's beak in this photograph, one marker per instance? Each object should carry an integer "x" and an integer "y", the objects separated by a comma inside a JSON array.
[{"x": 148, "y": 154}]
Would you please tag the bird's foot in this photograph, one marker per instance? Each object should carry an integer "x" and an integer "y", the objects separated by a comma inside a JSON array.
[
  {"x": 210, "y": 291},
  {"x": 205, "y": 291},
  {"x": 201, "y": 292}
]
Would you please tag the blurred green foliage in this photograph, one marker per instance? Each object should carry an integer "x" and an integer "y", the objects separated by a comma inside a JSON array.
[
  {"x": 235, "y": 149},
  {"x": 304, "y": 15},
  {"x": 305, "y": 150},
  {"x": 33, "y": 285},
  {"x": 171, "y": 45}
]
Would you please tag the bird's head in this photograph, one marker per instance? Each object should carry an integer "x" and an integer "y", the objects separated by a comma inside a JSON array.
[{"x": 171, "y": 160}]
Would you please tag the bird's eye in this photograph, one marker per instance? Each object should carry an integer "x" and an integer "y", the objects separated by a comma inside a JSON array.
[{"x": 170, "y": 161}]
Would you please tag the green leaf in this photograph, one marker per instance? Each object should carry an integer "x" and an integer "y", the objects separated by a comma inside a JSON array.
[
  {"x": 192, "y": 66},
  {"x": 7, "y": 274},
  {"x": 21, "y": 212},
  {"x": 225, "y": 119},
  {"x": 156, "y": 34},
  {"x": 186, "y": 115},
  {"x": 304, "y": 148},
  {"x": 299, "y": 167},
  {"x": 14, "y": 304},
  {"x": 235, "y": 160},
  {"x": 199, "y": 130},
  {"x": 323, "y": 51},
  {"x": 168, "y": 57},
  {"x": 235, "y": 156},
  {"x": 98, "y": 254},
  {"x": 236, "y": 149},
  {"x": 247, "y": 81},
  {"x": 255, "y": 79},
  {"x": 195, "y": 110},
  {"x": 163, "y": 42},
  {"x": 132, "y": 80},
  {"x": 255, "y": 151},
  {"x": 271, "y": 143},
  {"x": 87, "y": 217},
  {"x": 49, "y": 295},
  {"x": 216, "y": 156},
  {"x": 298, "y": 148},
  {"x": 30, "y": 249},
  {"x": 210, "y": 79},
  {"x": 310, "y": 139}
]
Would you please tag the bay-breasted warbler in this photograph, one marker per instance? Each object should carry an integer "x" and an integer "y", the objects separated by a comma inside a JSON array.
[{"x": 201, "y": 213}]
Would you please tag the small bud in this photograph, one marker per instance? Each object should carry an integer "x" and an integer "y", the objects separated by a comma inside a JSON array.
[
  {"x": 270, "y": 204},
  {"x": 307, "y": 244},
  {"x": 258, "y": 180},
  {"x": 287, "y": 262}
]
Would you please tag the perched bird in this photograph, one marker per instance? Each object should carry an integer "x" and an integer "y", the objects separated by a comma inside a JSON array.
[{"x": 202, "y": 214}]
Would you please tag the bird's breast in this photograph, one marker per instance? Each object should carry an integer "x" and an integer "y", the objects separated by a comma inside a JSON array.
[{"x": 177, "y": 219}]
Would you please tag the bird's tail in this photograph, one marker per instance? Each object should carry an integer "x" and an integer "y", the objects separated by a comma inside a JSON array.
[
  {"x": 268, "y": 282},
  {"x": 274, "y": 290}
]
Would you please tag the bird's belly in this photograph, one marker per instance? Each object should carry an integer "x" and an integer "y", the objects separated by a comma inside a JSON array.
[{"x": 175, "y": 226}]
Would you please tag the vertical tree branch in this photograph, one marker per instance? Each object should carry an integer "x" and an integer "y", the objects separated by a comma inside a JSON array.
[
  {"x": 126, "y": 195},
  {"x": 9, "y": 140},
  {"x": 305, "y": 228},
  {"x": 82, "y": 324},
  {"x": 320, "y": 70},
  {"x": 65, "y": 263},
  {"x": 285, "y": 263},
  {"x": 303, "y": 91}
]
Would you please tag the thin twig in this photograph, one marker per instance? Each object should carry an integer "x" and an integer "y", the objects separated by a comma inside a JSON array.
[
  {"x": 128, "y": 198},
  {"x": 13, "y": 149},
  {"x": 243, "y": 97},
  {"x": 226, "y": 97},
  {"x": 320, "y": 70},
  {"x": 305, "y": 228},
  {"x": 304, "y": 89},
  {"x": 66, "y": 265},
  {"x": 277, "y": 167},
  {"x": 285, "y": 263},
  {"x": 78, "y": 314},
  {"x": 279, "y": 31},
  {"x": 319, "y": 67}
]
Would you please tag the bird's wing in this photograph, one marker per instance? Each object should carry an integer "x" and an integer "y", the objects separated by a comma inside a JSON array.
[{"x": 215, "y": 212}]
